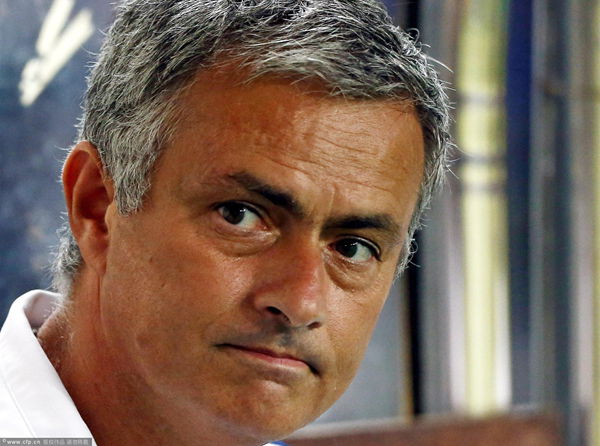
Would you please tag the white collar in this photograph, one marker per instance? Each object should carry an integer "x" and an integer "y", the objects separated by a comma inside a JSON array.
[{"x": 32, "y": 382}]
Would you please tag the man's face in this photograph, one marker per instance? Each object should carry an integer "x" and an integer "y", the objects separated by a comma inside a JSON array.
[{"x": 242, "y": 296}]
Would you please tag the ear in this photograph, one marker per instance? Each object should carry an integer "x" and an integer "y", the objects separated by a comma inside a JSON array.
[{"x": 89, "y": 195}]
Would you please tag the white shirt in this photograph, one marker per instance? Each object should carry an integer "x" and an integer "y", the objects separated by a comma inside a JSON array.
[{"x": 33, "y": 401}]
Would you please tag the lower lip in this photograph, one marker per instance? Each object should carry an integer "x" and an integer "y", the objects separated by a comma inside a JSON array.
[{"x": 265, "y": 358}]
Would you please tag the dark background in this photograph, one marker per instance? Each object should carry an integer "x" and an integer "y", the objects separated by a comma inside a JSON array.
[{"x": 32, "y": 144}]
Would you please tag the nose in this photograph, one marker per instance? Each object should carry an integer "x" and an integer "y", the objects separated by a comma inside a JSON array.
[{"x": 296, "y": 288}]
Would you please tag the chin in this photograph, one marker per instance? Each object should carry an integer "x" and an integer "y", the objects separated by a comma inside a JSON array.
[
  {"x": 273, "y": 428},
  {"x": 264, "y": 423}
]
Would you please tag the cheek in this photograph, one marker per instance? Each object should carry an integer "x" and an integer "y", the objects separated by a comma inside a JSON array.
[
  {"x": 351, "y": 332},
  {"x": 167, "y": 294}
]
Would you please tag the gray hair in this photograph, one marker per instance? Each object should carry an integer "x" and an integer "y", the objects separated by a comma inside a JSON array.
[{"x": 155, "y": 48}]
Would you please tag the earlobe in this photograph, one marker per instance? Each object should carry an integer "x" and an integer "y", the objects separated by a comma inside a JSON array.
[{"x": 89, "y": 196}]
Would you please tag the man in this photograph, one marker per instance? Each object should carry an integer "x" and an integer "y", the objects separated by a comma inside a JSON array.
[{"x": 247, "y": 181}]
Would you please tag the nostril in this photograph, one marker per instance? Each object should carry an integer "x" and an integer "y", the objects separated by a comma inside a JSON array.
[
  {"x": 315, "y": 325},
  {"x": 277, "y": 312},
  {"x": 274, "y": 310}
]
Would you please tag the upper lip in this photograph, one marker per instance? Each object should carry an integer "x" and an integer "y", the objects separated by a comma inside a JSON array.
[{"x": 276, "y": 353}]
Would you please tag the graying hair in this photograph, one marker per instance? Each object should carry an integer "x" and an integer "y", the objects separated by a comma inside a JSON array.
[{"x": 155, "y": 49}]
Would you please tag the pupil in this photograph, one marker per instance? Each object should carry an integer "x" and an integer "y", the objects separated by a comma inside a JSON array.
[
  {"x": 234, "y": 214},
  {"x": 348, "y": 248}
]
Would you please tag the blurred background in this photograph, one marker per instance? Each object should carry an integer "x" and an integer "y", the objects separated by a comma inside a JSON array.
[{"x": 499, "y": 312}]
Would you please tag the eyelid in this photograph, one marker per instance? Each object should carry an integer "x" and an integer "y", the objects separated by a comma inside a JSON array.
[{"x": 258, "y": 210}]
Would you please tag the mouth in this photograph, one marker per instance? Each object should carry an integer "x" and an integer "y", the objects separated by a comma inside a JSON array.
[{"x": 283, "y": 360}]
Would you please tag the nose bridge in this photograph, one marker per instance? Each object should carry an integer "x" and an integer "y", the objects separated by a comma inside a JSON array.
[
  {"x": 310, "y": 272},
  {"x": 297, "y": 286}
]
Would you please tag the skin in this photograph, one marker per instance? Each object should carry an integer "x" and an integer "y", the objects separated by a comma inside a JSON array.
[{"x": 235, "y": 307}]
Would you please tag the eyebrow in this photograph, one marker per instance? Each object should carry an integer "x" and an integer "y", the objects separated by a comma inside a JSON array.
[
  {"x": 381, "y": 222},
  {"x": 389, "y": 230},
  {"x": 278, "y": 197}
]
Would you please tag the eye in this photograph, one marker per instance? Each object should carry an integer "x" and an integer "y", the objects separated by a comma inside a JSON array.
[
  {"x": 356, "y": 249},
  {"x": 241, "y": 215}
]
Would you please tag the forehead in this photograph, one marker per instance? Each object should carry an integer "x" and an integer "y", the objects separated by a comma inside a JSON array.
[{"x": 295, "y": 129}]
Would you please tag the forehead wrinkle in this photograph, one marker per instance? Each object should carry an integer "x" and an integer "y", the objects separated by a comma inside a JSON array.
[
  {"x": 348, "y": 147},
  {"x": 332, "y": 170},
  {"x": 361, "y": 158},
  {"x": 353, "y": 111}
]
